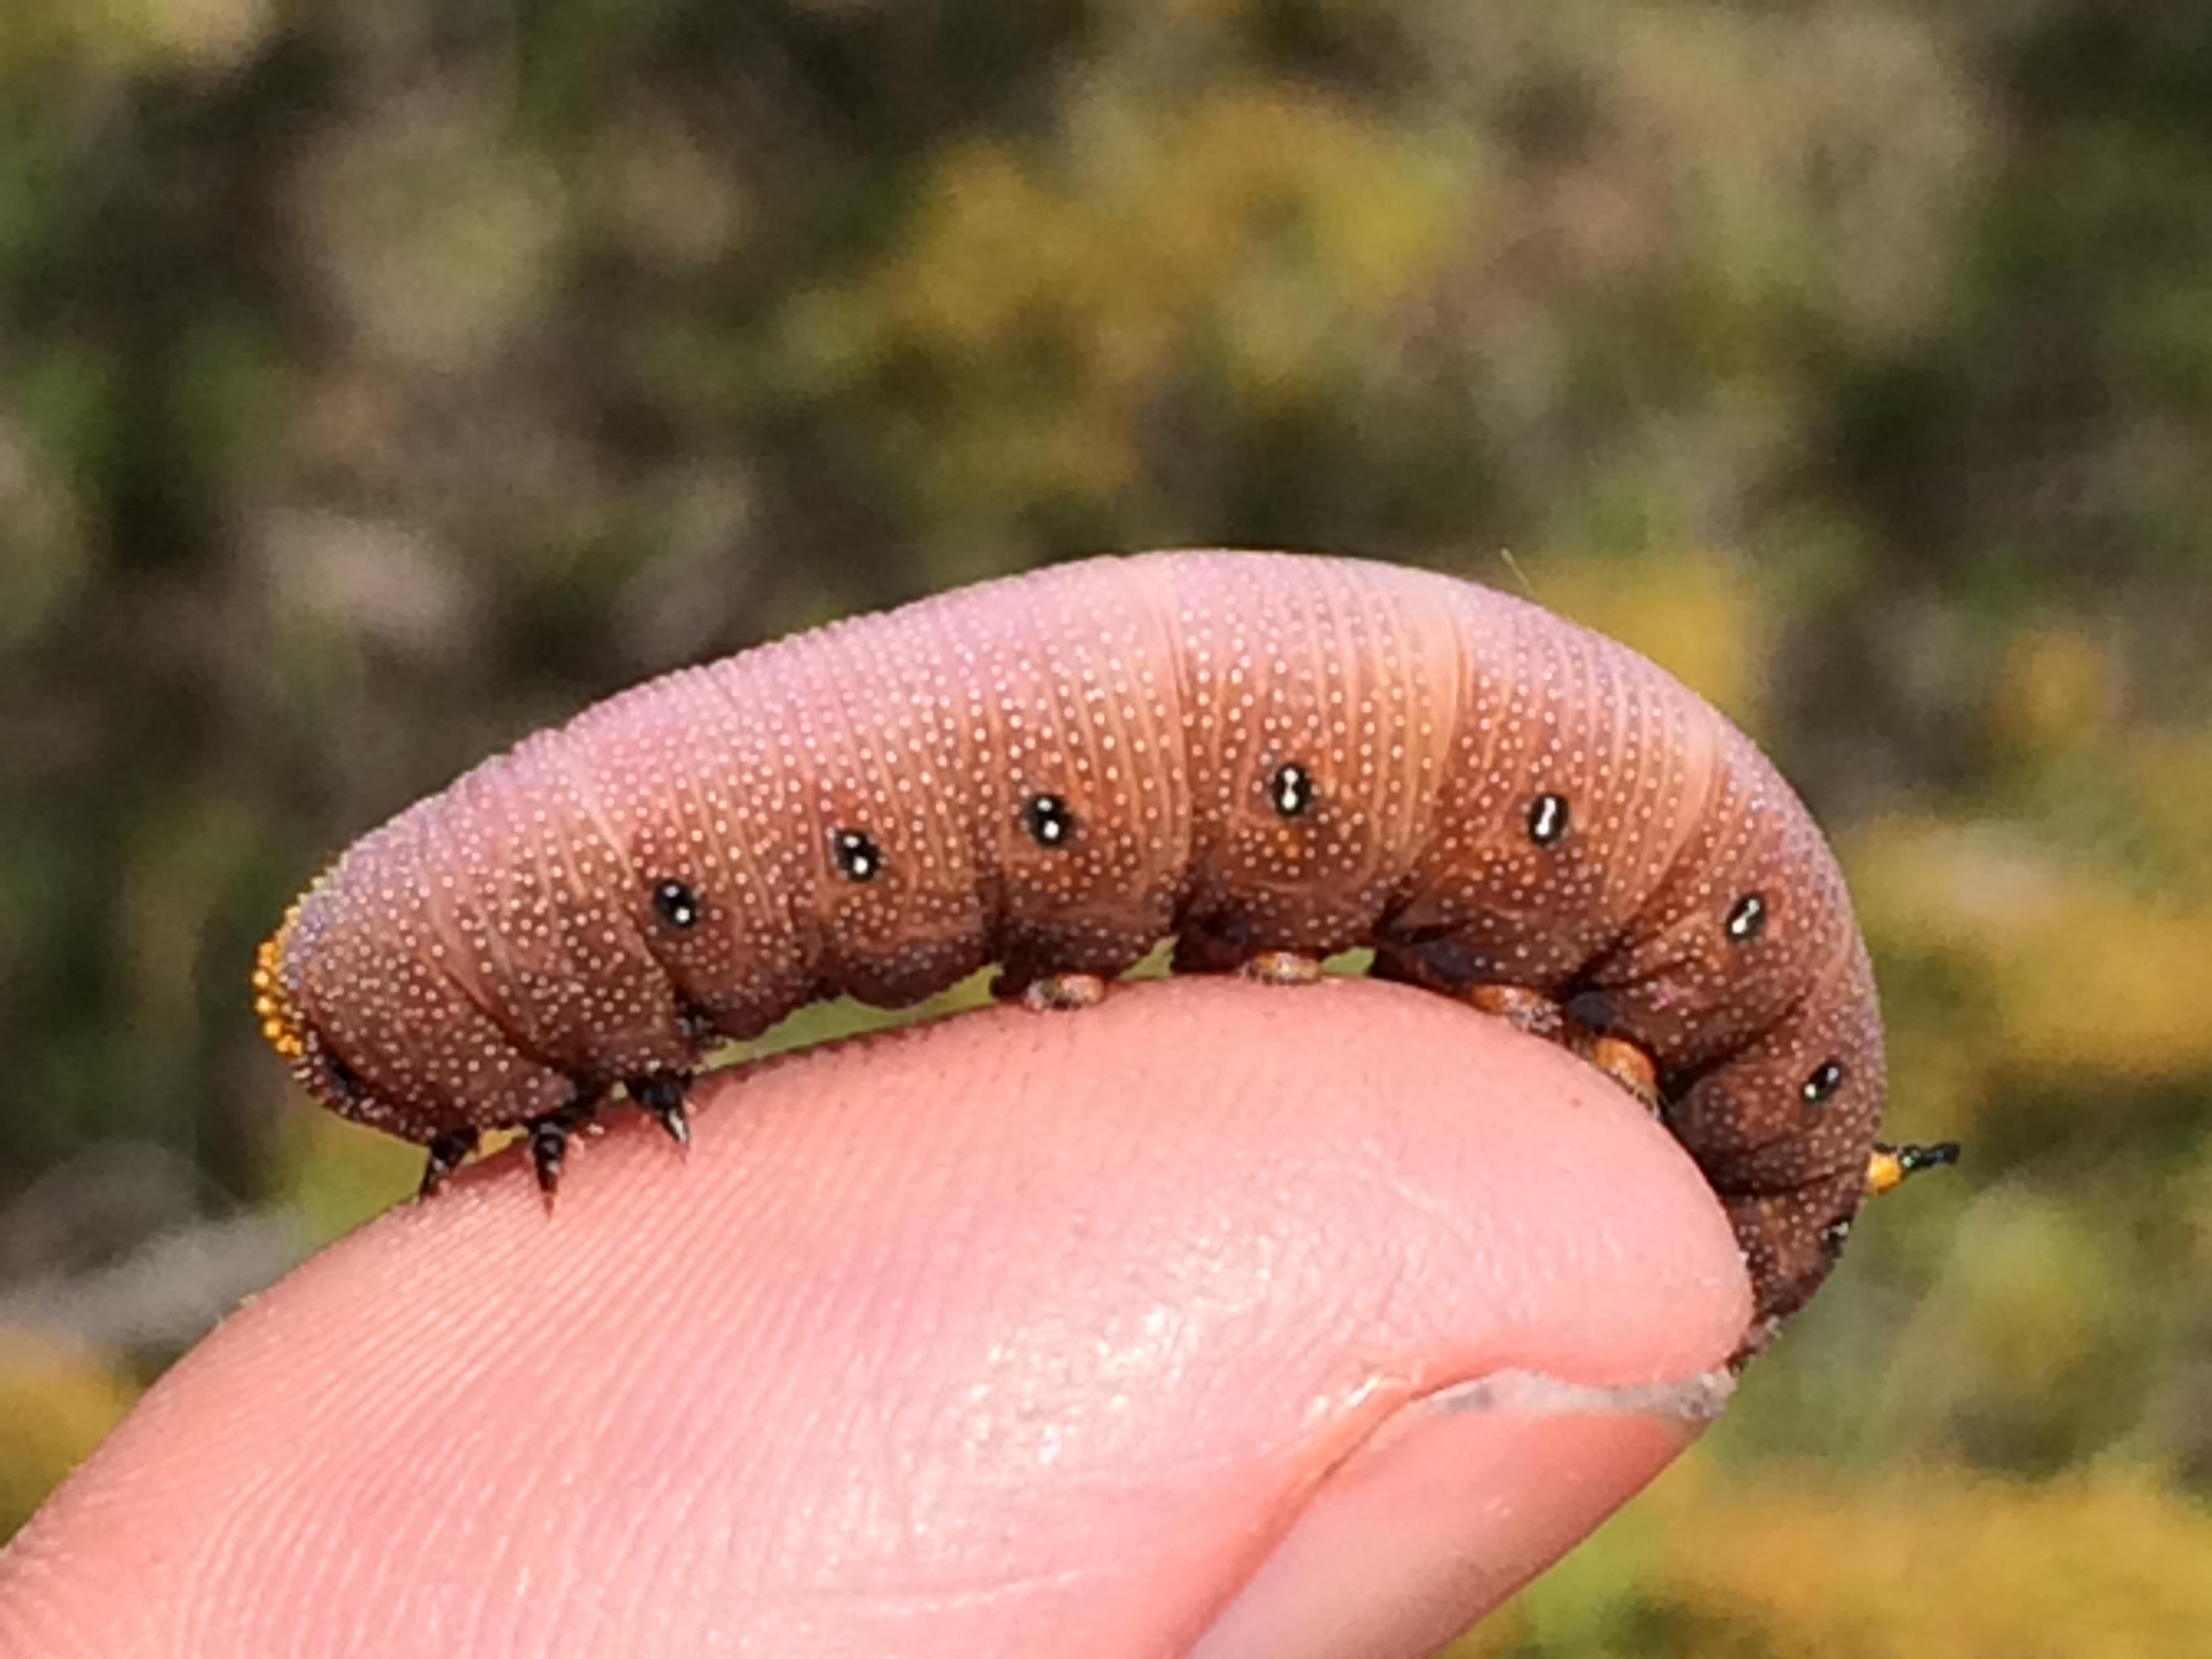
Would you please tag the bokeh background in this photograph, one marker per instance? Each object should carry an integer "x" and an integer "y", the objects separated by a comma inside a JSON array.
[{"x": 381, "y": 379}]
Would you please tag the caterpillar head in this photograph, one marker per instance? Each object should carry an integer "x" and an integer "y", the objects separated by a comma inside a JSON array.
[{"x": 371, "y": 1026}]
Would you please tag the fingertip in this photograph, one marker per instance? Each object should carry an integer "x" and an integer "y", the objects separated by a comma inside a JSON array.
[{"x": 1083, "y": 1308}]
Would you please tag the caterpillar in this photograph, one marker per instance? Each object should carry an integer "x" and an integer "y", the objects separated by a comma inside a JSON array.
[{"x": 1270, "y": 757}]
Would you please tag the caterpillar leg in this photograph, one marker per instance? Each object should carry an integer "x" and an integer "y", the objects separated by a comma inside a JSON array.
[
  {"x": 1225, "y": 946},
  {"x": 1281, "y": 968},
  {"x": 1624, "y": 1062},
  {"x": 1523, "y": 1009},
  {"x": 447, "y": 1153},
  {"x": 1891, "y": 1167},
  {"x": 549, "y": 1135},
  {"x": 662, "y": 1095},
  {"x": 1051, "y": 992}
]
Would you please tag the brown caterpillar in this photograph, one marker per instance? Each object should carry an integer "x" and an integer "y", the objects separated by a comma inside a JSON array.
[{"x": 1270, "y": 757}]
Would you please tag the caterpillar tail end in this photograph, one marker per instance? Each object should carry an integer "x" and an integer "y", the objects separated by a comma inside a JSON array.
[{"x": 1891, "y": 1167}]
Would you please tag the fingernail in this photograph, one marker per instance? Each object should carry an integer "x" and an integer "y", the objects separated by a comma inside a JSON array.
[{"x": 1452, "y": 1505}]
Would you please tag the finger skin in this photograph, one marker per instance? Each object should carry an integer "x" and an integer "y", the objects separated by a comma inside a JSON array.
[{"x": 1018, "y": 1333}]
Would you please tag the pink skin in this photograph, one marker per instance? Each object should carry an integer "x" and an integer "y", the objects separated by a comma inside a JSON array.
[{"x": 1199, "y": 1322}]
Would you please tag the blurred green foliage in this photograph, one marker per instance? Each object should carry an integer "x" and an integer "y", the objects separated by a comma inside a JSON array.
[{"x": 381, "y": 381}]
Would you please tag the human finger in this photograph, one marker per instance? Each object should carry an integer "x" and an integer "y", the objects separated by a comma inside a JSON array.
[{"x": 1220, "y": 1318}]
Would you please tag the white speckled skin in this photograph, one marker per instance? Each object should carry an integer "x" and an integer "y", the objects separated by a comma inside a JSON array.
[{"x": 467, "y": 964}]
